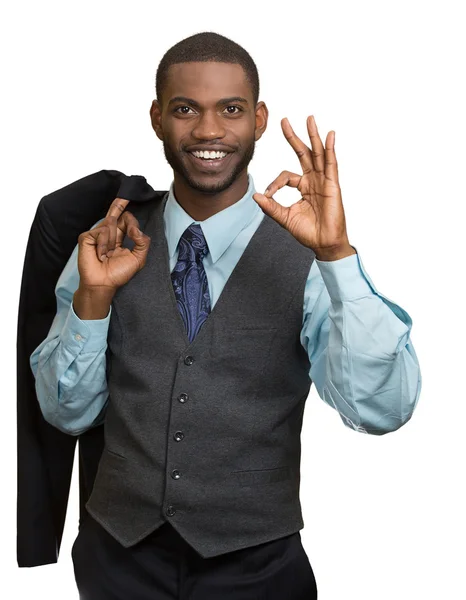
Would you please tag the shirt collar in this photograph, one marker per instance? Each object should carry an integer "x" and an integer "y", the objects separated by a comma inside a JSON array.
[{"x": 219, "y": 230}]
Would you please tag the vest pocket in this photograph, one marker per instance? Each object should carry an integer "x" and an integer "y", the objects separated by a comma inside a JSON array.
[
  {"x": 261, "y": 476},
  {"x": 115, "y": 455}
]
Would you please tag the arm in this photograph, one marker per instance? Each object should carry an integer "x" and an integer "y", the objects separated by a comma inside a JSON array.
[
  {"x": 363, "y": 363},
  {"x": 70, "y": 364}
]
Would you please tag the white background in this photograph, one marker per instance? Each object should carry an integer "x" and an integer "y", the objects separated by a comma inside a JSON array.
[{"x": 384, "y": 516}]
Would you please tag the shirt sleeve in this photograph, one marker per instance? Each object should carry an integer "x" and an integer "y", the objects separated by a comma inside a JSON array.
[
  {"x": 69, "y": 366},
  {"x": 363, "y": 362}
]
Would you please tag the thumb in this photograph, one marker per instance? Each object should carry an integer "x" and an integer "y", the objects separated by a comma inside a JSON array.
[
  {"x": 141, "y": 244},
  {"x": 272, "y": 208}
]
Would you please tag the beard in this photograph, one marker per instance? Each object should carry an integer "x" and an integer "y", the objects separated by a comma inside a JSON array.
[{"x": 177, "y": 164}]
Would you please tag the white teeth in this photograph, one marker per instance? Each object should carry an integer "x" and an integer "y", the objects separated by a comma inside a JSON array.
[{"x": 208, "y": 155}]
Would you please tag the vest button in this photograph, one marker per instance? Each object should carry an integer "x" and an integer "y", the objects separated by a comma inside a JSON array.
[
  {"x": 176, "y": 474},
  {"x": 188, "y": 360},
  {"x": 179, "y": 435},
  {"x": 183, "y": 397},
  {"x": 170, "y": 510}
]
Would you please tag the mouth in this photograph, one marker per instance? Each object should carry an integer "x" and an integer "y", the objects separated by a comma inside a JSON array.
[{"x": 209, "y": 164}]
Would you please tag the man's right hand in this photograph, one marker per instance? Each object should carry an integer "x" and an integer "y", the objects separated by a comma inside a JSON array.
[
  {"x": 103, "y": 264},
  {"x": 102, "y": 261}
]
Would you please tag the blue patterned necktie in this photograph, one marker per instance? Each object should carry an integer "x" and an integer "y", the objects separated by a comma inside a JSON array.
[{"x": 190, "y": 281}]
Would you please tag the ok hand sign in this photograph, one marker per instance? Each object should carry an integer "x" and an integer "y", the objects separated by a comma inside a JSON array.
[{"x": 317, "y": 220}]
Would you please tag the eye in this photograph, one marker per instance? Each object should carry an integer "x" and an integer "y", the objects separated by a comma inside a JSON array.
[
  {"x": 178, "y": 108},
  {"x": 234, "y": 106}
]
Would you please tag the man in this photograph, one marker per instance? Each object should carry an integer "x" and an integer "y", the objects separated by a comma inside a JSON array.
[{"x": 193, "y": 326}]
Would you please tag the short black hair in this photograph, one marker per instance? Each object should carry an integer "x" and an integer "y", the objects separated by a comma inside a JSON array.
[{"x": 207, "y": 46}]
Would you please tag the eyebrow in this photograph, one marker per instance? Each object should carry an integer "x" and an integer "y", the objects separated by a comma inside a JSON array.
[{"x": 194, "y": 103}]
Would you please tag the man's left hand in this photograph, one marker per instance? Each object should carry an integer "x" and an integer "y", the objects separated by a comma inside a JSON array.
[{"x": 318, "y": 219}]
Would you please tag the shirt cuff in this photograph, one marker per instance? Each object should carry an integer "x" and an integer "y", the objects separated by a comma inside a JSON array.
[
  {"x": 344, "y": 278},
  {"x": 85, "y": 336}
]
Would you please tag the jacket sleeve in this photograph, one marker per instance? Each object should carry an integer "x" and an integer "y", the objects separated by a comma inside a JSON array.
[
  {"x": 363, "y": 362},
  {"x": 70, "y": 364}
]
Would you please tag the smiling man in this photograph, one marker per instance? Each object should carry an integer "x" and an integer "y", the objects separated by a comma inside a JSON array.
[
  {"x": 194, "y": 330},
  {"x": 209, "y": 155}
]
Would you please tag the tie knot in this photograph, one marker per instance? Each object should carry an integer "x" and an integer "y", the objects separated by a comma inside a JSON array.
[{"x": 192, "y": 245}]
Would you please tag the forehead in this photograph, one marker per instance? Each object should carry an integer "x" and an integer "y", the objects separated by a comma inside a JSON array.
[{"x": 206, "y": 81}]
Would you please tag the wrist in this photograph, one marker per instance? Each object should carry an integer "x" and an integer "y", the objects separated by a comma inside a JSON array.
[
  {"x": 91, "y": 303},
  {"x": 335, "y": 253}
]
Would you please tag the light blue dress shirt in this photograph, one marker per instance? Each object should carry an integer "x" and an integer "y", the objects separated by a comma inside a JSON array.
[{"x": 363, "y": 363}]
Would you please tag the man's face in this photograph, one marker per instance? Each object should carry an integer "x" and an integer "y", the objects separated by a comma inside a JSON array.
[{"x": 208, "y": 106}]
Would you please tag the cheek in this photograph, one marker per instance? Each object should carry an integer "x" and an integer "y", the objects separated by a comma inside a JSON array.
[
  {"x": 175, "y": 132},
  {"x": 245, "y": 132}
]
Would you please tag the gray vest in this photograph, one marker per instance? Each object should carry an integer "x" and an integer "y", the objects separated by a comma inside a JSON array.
[{"x": 206, "y": 435}]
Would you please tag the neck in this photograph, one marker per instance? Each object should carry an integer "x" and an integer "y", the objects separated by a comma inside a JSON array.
[{"x": 200, "y": 206}]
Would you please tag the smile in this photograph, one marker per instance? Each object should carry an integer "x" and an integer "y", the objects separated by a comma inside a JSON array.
[{"x": 212, "y": 160}]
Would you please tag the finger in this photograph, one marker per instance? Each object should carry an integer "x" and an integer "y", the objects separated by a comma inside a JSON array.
[
  {"x": 117, "y": 207},
  {"x": 302, "y": 151},
  {"x": 331, "y": 165},
  {"x": 272, "y": 208},
  {"x": 285, "y": 178},
  {"x": 141, "y": 244},
  {"x": 112, "y": 223},
  {"x": 318, "y": 158},
  {"x": 118, "y": 228},
  {"x": 125, "y": 222},
  {"x": 102, "y": 243},
  {"x": 96, "y": 238}
]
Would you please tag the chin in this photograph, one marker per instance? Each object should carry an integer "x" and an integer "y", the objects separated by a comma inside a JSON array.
[{"x": 212, "y": 184}]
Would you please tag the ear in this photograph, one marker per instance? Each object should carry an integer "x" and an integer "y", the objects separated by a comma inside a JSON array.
[
  {"x": 156, "y": 118},
  {"x": 262, "y": 116}
]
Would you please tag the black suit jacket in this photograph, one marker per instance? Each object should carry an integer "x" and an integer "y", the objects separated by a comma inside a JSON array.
[{"x": 45, "y": 454}]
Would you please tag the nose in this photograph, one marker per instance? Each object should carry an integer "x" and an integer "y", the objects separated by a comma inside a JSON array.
[{"x": 209, "y": 127}]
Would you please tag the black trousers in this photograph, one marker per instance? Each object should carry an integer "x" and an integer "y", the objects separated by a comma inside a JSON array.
[{"x": 165, "y": 567}]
